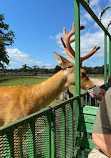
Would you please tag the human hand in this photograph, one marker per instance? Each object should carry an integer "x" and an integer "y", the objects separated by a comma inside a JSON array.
[{"x": 100, "y": 95}]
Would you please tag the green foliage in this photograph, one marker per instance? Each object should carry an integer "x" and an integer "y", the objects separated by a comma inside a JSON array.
[
  {"x": 6, "y": 39},
  {"x": 24, "y": 68},
  {"x": 94, "y": 70},
  {"x": 3, "y": 56},
  {"x": 36, "y": 70},
  {"x": 57, "y": 68}
]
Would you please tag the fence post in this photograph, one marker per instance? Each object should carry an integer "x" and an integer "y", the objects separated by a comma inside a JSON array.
[
  {"x": 87, "y": 1},
  {"x": 63, "y": 132},
  {"x": 71, "y": 132},
  {"x": 77, "y": 57},
  {"x": 105, "y": 59},
  {"x": 53, "y": 133},
  {"x": 77, "y": 46},
  {"x": 109, "y": 56},
  {"x": 31, "y": 133}
]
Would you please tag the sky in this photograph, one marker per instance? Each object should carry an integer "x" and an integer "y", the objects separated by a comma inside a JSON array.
[{"x": 38, "y": 26}]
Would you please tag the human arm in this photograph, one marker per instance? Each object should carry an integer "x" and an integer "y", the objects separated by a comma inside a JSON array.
[
  {"x": 101, "y": 134},
  {"x": 103, "y": 142}
]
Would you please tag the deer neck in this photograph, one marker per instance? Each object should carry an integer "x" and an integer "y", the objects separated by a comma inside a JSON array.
[{"x": 45, "y": 92}]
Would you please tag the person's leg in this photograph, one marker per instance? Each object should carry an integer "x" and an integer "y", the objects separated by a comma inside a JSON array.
[{"x": 95, "y": 153}]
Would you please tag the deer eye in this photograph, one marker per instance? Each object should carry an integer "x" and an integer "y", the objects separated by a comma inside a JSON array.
[
  {"x": 83, "y": 74},
  {"x": 70, "y": 66}
]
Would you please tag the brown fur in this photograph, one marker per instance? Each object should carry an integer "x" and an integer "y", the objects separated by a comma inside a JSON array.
[{"x": 19, "y": 101}]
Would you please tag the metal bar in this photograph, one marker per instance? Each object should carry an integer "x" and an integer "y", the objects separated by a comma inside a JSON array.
[
  {"x": 87, "y": 1},
  {"x": 77, "y": 59},
  {"x": 48, "y": 135},
  {"x": 105, "y": 58},
  {"x": 109, "y": 57},
  {"x": 77, "y": 46},
  {"x": 101, "y": 13},
  {"x": 63, "y": 133},
  {"x": 71, "y": 141},
  {"x": 32, "y": 146},
  {"x": 53, "y": 134},
  {"x": 108, "y": 25},
  {"x": 89, "y": 10},
  {"x": 24, "y": 120},
  {"x": 64, "y": 103}
]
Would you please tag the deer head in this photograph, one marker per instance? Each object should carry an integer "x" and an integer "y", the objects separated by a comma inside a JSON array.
[{"x": 68, "y": 66}]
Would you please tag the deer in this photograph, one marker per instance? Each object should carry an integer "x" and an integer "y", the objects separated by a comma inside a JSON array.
[
  {"x": 19, "y": 101},
  {"x": 66, "y": 94}
]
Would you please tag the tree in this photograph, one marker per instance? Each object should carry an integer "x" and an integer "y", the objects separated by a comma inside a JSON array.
[
  {"x": 35, "y": 68},
  {"x": 57, "y": 68},
  {"x": 24, "y": 68},
  {"x": 6, "y": 39}
]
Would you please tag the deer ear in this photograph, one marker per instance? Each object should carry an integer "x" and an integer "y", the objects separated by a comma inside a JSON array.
[{"x": 62, "y": 62}]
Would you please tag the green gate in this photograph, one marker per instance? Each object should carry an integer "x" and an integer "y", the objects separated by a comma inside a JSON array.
[
  {"x": 50, "y": 133},
  {"x": 62, "y": 131}
]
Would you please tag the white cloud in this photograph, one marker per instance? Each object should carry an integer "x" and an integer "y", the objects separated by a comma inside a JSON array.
[
  {"x": 93, "y": 38},
  {"x": 18, "y": 56},
  {"x": 88, "y": 17},
  {"x": 57, "y": 38},
  {"x": 94, "y": 2},
  {"x": 88, "y": 41},
  {"x": 95, "y": 6},
  {"x": 83, "y": 21},
  {"x": 106, "y": 17}
]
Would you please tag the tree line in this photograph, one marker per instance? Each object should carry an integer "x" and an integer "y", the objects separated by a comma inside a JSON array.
[{"x": 35, "y": 70}]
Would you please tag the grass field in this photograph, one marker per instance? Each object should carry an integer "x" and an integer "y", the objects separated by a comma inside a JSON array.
[
  {"x": 19, "y": 81},
  {"x": 28, "y": 81}
]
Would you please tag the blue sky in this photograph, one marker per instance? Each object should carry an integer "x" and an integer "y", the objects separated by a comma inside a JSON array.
[{"x": 38, "y": 26}]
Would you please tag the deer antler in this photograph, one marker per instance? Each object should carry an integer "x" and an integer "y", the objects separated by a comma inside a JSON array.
[
  {"x": 67, "y": 37},
  {"x": 90, "y": 53},
  {"x": 67, "y": 47}
]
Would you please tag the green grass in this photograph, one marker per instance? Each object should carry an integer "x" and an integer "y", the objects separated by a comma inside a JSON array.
[{"x": 19, "y": 81}]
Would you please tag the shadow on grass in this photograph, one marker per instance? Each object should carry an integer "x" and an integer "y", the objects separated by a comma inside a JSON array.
[{"x": 7, "y": 78}]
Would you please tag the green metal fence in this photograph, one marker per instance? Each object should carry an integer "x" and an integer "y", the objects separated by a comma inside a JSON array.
[{"x": 52, "y": 132}]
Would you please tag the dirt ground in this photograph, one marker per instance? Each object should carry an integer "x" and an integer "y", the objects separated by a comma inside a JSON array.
[{"x": 97, "y": 81}]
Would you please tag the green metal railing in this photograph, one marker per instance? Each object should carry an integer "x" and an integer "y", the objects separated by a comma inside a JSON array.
[
  {"x": 105, "y": 46},
  {"x": 52, "y": 132},
  {"x": 105, "y": 30},
  {"x": 49, "y": 133}
]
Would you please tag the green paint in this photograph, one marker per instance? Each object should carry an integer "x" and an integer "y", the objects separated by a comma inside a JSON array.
[
  {"x": 77, "y": 46},
  {"x": 63, "y": 132},
  {"x": 109, "y": 57},
  {"x": 89, "y": 10},
  {"x": 53, "y": 134},
  {"x": 105, "y": 58},
  {"x": 101, "y": 13},
  {"x": 71, "y": 132}
]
